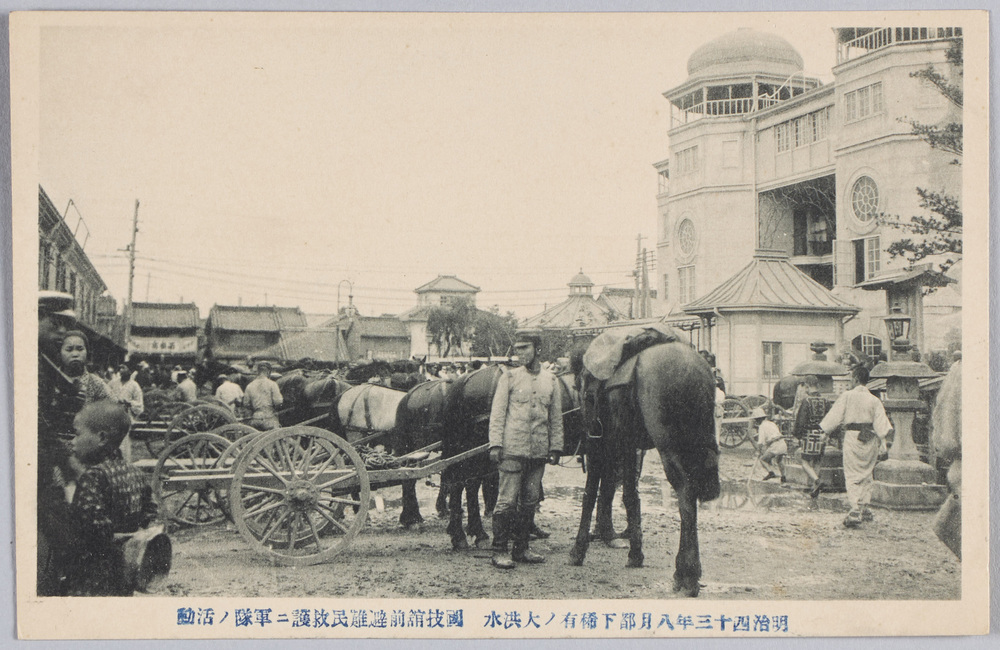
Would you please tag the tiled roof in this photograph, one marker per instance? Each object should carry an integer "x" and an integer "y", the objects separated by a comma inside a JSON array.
[
  {"x": 575, "y": 311},
  {"x": 381, "y": 328},
  {"x": 419, "y": 312},
  {"x": 319, "y": 344},
  {"x": 320, "y": 320},
  {"x": 165, "y": 315},
  {"x": 447, "y": 283},
  {"x": 770, "y": 282},
  {"x": 256, "y": 319}
]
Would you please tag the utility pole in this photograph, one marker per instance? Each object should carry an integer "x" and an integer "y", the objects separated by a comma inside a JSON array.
[
  {"x": 131, "y": 280},
  {"x": 646, "y": 307},
  {"x": 147, "y": 285},
  {"x": 637, "y": 302}
]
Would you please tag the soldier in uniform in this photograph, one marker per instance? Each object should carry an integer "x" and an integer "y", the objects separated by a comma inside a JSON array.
[
  {"x": 526, "y": 430},
  {"x": 264, "y": 398}
]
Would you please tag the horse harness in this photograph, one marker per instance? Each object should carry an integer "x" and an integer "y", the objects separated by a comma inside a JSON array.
[{"x": 363, "y": 396}]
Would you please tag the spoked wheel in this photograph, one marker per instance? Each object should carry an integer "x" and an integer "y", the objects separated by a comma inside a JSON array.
[
  {"x": 754, "y": 401},
  {"x": 235, "y": 431},
  {"x": 201, "y": 418},
  {"x": 293, "y": 494},
  {"x": 732, "y": 434},
  {"x": 182, "y": 482},
  {"x": 230, "y": 457}
]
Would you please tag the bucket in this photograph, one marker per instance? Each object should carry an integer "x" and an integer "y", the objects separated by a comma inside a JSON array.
[{"x": 148, "y": 553}]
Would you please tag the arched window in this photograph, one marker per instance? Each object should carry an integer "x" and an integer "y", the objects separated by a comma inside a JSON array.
[{"x": 870, "y": 344}]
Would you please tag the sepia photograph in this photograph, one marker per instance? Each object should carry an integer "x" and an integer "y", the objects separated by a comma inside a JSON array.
[{"x": 507, "y": 325}]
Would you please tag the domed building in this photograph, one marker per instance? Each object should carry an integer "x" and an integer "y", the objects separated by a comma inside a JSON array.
[
  {"x": 764, "y": 156},
  {"x": 580, "y": 309}
]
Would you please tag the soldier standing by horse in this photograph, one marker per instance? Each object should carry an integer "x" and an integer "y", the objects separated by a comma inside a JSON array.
[{"x": 526, "y": 430}]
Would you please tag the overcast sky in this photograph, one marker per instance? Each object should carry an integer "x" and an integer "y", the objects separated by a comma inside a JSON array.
[{"x": 273, "y": 161}]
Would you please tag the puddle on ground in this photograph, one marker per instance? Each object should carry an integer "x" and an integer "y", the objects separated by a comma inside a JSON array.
[{"x": 736, "y": 495}]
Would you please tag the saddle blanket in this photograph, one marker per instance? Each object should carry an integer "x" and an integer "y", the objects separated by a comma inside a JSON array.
[{"x": 607, "y": 352}]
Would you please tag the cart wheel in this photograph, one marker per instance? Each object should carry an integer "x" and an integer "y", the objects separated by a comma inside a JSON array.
[
  {"x": 191, "y": 502},
  {"x": 235, "y": 431},
  {"x": 734, "y": 433},
  {"x": 228, "y": 460},
  {"x": 289, "y": 481},
  {"x": 754, "y": 401},
  {"x": 200, "y": 418}
]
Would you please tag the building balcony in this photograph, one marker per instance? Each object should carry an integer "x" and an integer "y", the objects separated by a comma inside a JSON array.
[
  {"x": 811, "y": 260},
  {"x": 855, "y": 42}
]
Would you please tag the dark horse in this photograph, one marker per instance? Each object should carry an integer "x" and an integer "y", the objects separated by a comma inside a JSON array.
[
  {"x": 669, "y": 405},
  {"x": 466, "y": 419},
  {"x": 307, "y": 396},
  {"x": 418, "y": 424}
]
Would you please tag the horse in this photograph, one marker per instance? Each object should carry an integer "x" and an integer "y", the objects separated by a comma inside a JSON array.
[
  {"x": 365, "y": 410},
  {"x": 308, "y": 396},
  {"x": 365, "y": 372},
  {"x": 466, "y": 426},
  {"x": 669, "y": 404},
  {"x": 784, "y": 391},
  {"x": 418, "y": 424}
]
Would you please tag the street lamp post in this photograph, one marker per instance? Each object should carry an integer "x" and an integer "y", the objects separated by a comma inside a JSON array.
[{"x": 350, "y": 299}]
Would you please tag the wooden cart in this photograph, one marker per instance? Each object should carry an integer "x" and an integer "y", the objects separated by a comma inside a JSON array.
[{"x": 299, "y": 495}]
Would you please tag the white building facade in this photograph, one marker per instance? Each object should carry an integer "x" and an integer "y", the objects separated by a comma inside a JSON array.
[{"x": 762, "y": 156}]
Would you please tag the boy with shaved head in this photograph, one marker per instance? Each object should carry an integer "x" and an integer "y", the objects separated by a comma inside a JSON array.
[{"x": 112, "y": 496}]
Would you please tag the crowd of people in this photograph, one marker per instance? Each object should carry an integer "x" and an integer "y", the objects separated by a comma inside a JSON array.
[{"x": 89, "y": 491}]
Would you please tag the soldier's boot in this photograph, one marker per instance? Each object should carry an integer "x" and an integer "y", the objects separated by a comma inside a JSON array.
[
  {"x": 501, "y": 534},
  {"x": 520, "y": 551},
  {"x": 537, "y": 533}
]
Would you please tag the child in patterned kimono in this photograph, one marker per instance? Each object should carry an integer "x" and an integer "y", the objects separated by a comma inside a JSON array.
[{"x": 111, "y": 496}]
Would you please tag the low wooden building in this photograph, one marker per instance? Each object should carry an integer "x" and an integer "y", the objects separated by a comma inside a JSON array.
[
  {"x": 761, "y": 321},
  {"x": 164, "y": 332},
  {"x": 234, "y": 333}
]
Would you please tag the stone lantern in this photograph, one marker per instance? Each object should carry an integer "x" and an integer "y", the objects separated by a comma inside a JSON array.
[
  {"x": 904, "y": 482},
  {"x": 824, "y": 370}
]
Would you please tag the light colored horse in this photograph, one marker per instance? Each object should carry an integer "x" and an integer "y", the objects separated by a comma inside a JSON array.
[{"x": 368, "y": 408}]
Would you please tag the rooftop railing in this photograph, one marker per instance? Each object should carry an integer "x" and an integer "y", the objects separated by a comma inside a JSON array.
[{"x": 878, "y": 39}]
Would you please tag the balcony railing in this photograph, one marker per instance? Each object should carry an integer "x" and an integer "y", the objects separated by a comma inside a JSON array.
[
  {"x": 724, "y": 107},
  {"x": 878, "y": 39}
]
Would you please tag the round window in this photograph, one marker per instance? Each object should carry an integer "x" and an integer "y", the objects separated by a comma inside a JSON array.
[
  {"x": 686, "y": 237},
  {"x": 864, "y": 199}
]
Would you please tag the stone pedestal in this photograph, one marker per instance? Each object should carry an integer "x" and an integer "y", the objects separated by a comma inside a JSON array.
[
  {"x": 903, "y": 482},
  {"x": 831, "y": 471},
  {"x": 907, "y": 485}
]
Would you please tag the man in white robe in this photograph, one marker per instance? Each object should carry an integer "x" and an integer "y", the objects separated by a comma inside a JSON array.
[{"x": 866, "y": 427}]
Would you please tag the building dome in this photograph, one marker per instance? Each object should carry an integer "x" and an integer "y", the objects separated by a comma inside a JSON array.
[
  {"x": 745, "y": 51},
  {"x": 580, "y": 280}
]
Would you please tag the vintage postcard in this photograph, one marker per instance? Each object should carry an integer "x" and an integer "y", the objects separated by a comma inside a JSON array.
[{"x": 448, "y": 325}]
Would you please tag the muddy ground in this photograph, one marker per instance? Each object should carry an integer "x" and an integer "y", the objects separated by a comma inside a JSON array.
[{"x": 765, "y": 542}]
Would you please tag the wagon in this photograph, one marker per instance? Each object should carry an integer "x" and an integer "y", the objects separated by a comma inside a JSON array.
[
  {"x": 166, "y": 422},
  {"x": 298, "y": 495},
  {"x": 736, "y": 426}
]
